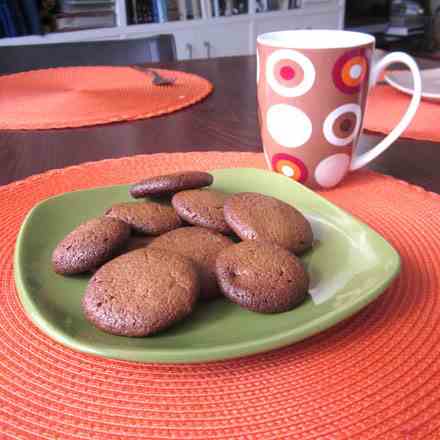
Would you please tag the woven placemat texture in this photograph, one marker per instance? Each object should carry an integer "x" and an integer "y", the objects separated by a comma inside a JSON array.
[
  {"x": 386, "y": 107},
  {"x": 83, "y": 96},
  {"x": 374, "y": 376}
]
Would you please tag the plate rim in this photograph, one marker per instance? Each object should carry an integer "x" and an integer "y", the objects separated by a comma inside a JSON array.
[
  {"x": 393, "y": 83},
  {"x": 219, "y": 352}
]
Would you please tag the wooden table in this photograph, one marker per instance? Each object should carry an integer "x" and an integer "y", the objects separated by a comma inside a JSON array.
[{"x": 225, "y": 121}]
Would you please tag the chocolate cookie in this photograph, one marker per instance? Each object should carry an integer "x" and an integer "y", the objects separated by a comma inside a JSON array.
[
  {"x": 202, "y": 207},
  {"x": 262, "y": 277},
  {"x": 201, "y": 245},
  {"x": 258, "y": 217},
  {"x": 152, "y": 217},
  {"x": 141, "y": 293},
  {"x": 136, "y": 242},
  {"x": 90, "y": 245},
  {"x": 171, "y": 183}
]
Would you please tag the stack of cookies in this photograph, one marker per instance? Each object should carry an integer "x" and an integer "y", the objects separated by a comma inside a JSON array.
[{"x": 154, "y": 258}]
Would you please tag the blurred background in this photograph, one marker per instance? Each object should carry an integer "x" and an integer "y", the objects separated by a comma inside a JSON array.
[{"x": 216, "y": 28}]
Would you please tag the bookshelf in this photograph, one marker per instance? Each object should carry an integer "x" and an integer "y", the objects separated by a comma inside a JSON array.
[{"x": 211, "y": 34}]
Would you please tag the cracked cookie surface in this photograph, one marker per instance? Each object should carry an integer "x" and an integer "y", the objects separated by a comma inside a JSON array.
[
  {"x": 202, "y": 207},
  {"x": 254, "y": 216},
  {"x": 90, "y": 245},
  {"x": 141, "y": 293},
  {"x": 262, "y": 277},
  {"x": 150, "y": 217},
  {"x": 202, "y": 246}
]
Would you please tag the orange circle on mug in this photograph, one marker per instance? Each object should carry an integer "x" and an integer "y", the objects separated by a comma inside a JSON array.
[{"x": 354, "y": 71}]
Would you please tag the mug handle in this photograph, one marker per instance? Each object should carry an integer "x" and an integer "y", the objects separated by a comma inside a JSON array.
[{"x": 395, "y": 57}]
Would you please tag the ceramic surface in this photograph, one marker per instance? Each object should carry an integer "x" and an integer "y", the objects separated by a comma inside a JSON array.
[{"x": 350, "y": 265}]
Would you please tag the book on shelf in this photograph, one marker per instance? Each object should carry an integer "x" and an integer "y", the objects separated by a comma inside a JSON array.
[
  {"x": 132, "y": 12},
  {"x": 404, "y": 31},
  {"x": 193, "y": 8},
  {"x": 173, "y": 10},
  {"x": 160, "y": 11},
  {"x": 206, "y": 8},
  {"x": 182, "y": 9},
  {"x": 141, "y": 11},
  {"x": 72, "y": 6},
  {"x": 74, "y": 10},
  {"x": 31, "y": 15},
  {"x": 6, "y": 21},
  {"x": 20, "y": 17},
  {"x": 85, "y": 20},
  {"x": 17, "y": 17},
  {"x": 410, "y": 21},
  {"x": 196, "y": 8},
  {"x": 215, "y": 8}
]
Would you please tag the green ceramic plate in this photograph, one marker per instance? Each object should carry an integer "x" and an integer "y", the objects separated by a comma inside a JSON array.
[{"x": 349, "y": 267}]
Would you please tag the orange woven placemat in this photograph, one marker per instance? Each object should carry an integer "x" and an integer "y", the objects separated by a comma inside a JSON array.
[
  {"x": 81, "y": 96},
  {"x": 374, "y": 376},
  {"x": 386, "y": 106}
]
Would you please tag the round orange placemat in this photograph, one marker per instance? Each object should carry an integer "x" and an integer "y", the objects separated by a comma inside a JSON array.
[
  {"x": 386, "y": 106},
  {"x": 81, "y": 96},
  {"x": 373, "y": 376}
]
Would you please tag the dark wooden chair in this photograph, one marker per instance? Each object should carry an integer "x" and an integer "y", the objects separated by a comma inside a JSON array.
[{"x": 159, "y": 48}]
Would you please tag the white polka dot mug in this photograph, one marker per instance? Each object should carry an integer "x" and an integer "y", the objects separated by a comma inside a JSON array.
[{"x": 312, "y": 91}]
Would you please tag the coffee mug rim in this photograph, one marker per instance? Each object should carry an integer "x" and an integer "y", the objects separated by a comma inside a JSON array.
[{"x": 315, "y": 39}]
